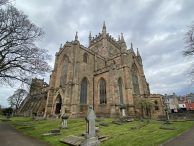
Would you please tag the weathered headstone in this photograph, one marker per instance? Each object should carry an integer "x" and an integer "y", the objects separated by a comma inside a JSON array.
[
  {"x": 56, "y": 131},
  {"x": 53, "y": 132},
  {"x": 123, "y": 110},
  {"x": 91, "y": 138},
  {"x": 64, "y": 118}
]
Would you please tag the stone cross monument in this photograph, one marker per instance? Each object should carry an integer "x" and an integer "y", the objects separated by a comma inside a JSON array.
[
  {"x": 91, "y": 139},
  {"x": 90, "y": 119}
]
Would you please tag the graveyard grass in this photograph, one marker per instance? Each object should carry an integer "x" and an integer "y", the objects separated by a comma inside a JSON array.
[{"x": 136, "y": 133}]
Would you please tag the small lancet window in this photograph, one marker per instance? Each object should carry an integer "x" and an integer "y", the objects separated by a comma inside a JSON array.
[
  {"x": 83, "y": 91},
  {"x": 85, "y": 57}
]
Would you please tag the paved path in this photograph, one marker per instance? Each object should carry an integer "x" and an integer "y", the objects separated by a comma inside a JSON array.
[
  {"x": 10, "y": 137},
  {"x": 186, "y": 139}
]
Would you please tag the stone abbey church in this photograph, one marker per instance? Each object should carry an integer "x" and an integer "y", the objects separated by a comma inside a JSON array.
[{"x": 106, "y": 75}]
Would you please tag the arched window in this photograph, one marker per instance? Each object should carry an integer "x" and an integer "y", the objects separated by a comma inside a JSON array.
[
  {"x": 135, "y": 80},
  {"x": 58, "y": 103},
  {"x": 85, "y": 57},
  {"x": 102, "y": 87},
  {"x": 120, "y": 85},
  {"x": 83, "y": 91},
  {"x": 64, "y": 70}
]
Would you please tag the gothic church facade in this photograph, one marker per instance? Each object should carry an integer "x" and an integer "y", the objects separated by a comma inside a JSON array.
[{"x": 106, "y": 75}]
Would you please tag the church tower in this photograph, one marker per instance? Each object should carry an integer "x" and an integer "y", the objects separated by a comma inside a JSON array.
[{"x": 106, "y": 75}]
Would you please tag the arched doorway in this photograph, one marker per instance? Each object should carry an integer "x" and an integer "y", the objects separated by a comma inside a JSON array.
[{"x": 58, "y": 104}]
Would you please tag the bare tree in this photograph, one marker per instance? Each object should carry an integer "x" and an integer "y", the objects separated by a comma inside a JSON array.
[
  {"x": 3, "y": 2},
  {"x": 20, "y": 58},
  {"x": 16, "y": 99},
  {"x": 189, "y": 41}
]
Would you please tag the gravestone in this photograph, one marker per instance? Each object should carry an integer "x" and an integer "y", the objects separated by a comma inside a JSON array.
[
  {"x": 53, "y": 132},
  {"x": 64, "y": 118},
  {"x": 123, "y": 110},
  {"x": 91, "y": 138}
]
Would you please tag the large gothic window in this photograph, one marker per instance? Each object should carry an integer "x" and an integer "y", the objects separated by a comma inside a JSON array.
[
  {"x": 120, "y": 90},
  {"x": 135, "y": 80},
  {"x": 102, "y": 86},
  {"x": 83, "y": 91},
  {"x": 64, "y": 69}
]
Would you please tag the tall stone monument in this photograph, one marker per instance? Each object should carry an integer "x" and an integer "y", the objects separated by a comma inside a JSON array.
[{"x": 91, "y": 138}]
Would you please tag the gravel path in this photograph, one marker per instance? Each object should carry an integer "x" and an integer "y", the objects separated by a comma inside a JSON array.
[
  {"x": 10, "y": 137},
  {"x": 186, "y": 139}
]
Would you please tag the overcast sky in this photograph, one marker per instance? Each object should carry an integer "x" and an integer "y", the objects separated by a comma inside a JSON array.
[{"x": 156, "y": 27}]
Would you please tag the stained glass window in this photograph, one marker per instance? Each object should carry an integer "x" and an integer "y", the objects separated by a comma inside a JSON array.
[
  {"x": 83, "y": 91},
  {"x": 102, "y": 91}
]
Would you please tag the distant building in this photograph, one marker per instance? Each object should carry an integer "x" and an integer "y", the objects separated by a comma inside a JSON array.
[
  {"x": 190, "y": 102},
  {"x": 35, "y": 101},
  {"x": 171, "y": 102},
  {"x": 182, "y": 104}
]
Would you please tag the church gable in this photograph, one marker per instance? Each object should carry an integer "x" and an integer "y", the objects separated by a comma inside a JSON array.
[
  {"x": 104, "y": 44},
  {"x": 100, "y": 75}
]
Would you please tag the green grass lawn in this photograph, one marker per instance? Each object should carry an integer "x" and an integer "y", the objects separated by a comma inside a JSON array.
[{"x": 136, "y": 133}]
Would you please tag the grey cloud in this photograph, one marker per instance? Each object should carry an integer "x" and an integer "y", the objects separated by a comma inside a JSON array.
[{"x": 157, "y": 28}]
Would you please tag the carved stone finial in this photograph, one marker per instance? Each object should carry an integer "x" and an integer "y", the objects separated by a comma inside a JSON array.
[
  {"x": 122, "y": 42},
  {"x": 104, "y": 25},
  {"x": 104, "y": 28},
  {"x": 131, "y": 45},
  {"x": 139, "y": 57},
  {"x": 76, "y": 36},
  {"x": 138, "y": 52},
  {"x": 90, "y": 38},
  {"x": 122, "y": 38},
  {"x": 90, "y": 35}
]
